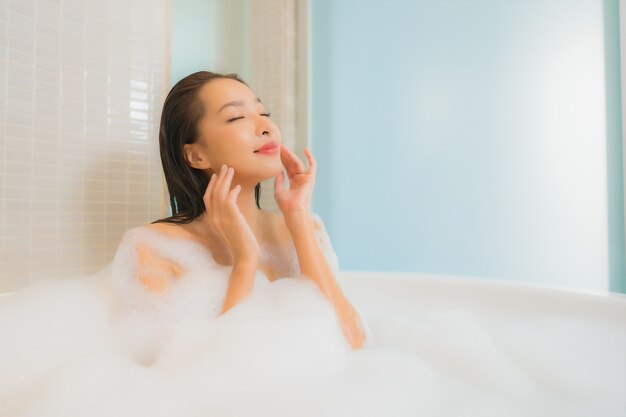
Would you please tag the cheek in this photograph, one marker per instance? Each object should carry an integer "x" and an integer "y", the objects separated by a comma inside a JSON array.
[
  {"x": 225, "y": 141},
  {"x": 276, "y": 131}
]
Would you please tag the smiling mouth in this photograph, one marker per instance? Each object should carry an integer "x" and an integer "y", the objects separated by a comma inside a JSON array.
[{"x": 267, "y": 149}]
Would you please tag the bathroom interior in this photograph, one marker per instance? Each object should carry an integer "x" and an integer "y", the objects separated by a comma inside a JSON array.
[{"x": 470, "y": 177}]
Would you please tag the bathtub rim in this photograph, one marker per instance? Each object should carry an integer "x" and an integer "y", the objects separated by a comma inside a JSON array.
[
  {"x": 501, "y": 284},
  {"x": 443, "y": 279}
]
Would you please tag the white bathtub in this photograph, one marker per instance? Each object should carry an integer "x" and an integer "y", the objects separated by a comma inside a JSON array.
[
  {"x": 571, "y": 343},
  {"x": 408, "y": 293},
  {"x": 498, "y": 347}
]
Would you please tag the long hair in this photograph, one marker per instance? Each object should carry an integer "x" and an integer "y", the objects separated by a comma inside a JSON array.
[{"x": 182, "y": 111}]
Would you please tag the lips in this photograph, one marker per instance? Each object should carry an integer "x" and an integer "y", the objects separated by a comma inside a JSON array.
[{"x": 268, "y": 146}]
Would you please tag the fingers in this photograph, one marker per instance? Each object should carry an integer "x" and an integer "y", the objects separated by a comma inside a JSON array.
[
  {"x": 218, "y": 191},
  {"x": 224, "y": 187},
  {"x": 232, "y": 209},
  {"x": 279, "y": 182},
  {"x": 224, "y": 220},
  {"x": 294, "y": 165},
  {"x": 312, "y": 163},
  {"x": 234, "y": 193},
  {"x": 299, "y": 179},
  {"x": 207, "y": 194},
  {"x": 290, "y": 160}
]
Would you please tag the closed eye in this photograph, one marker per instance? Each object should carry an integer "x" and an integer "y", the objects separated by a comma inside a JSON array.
[{"x": 241, "y": 117}]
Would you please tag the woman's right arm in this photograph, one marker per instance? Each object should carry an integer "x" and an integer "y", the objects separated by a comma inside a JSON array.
[
  {"x": 223, "y": 218},
  {"x": 240, "y": 284}
]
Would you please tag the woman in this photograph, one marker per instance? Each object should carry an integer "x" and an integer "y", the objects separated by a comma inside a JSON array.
[{"x": 217, "y": 144}]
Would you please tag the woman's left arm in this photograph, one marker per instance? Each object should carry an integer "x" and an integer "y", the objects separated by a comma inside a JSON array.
[{"x": 294, "y": 204}]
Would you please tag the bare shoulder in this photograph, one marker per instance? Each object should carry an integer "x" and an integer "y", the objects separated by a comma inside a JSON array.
[
  {"x": 190, "y": 232},
  {"x": 167, "y": 230},
  {"x": 170, "y": 230},
  {"x": 155, "y": 270}
]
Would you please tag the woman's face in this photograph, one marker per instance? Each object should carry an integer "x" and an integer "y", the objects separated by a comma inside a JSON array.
[{"x": 234, "y": 126}]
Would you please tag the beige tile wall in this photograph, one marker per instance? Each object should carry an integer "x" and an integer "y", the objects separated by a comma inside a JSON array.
[
  {"x": 81, "y": 88},
  {"x": 272, "y": 71}
]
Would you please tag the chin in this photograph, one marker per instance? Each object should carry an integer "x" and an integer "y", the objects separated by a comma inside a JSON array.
[
  {"x": 273, "y": 173},
  {"x": 270, "y": 171}
]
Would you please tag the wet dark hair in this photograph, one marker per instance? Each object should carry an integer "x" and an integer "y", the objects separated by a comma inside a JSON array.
[{"x": 182, "y": 111}]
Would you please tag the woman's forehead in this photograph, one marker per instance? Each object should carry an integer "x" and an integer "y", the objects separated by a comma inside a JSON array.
[{"x": 224, "y": 92}]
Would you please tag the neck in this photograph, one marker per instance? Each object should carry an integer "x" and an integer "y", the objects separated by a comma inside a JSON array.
[{"x": 247, "y": 205}]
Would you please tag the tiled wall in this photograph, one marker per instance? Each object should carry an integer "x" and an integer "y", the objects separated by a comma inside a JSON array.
[
  {"x": 81, "y": 88},
  {"x": 272, "y": 71}
]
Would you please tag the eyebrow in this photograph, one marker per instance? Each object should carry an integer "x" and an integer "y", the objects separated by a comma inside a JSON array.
[{"x": 236, "y": 103}]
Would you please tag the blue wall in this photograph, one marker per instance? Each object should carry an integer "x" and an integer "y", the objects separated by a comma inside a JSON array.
[{"x": 474, "y": 138}]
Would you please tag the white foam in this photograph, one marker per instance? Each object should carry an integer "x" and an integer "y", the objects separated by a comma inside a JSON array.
[{"x": 105, "y": 346}]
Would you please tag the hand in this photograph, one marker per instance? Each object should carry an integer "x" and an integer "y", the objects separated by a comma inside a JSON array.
[
  {"x": 224, "y": 219},
  {"x": 301, "y": 182},
  {"x": 351, "y": 324}
]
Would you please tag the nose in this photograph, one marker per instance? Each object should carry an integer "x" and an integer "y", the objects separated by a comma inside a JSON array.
[{"x": 263, "y": 126}]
